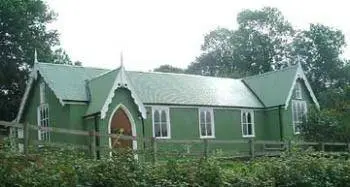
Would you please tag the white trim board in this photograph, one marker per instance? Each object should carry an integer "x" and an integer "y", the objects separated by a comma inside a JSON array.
[
  {"x": 300, "y": 75},
  {"x": 197, "y": 106}
]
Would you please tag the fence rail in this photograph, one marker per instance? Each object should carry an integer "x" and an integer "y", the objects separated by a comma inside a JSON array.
[{"x": 254, "y": 147}]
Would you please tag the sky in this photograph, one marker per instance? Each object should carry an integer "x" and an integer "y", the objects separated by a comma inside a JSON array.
[{"x": 151, "y": 33}]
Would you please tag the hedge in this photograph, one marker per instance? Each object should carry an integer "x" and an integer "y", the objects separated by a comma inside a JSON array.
[{"x": 64, "y": 167}]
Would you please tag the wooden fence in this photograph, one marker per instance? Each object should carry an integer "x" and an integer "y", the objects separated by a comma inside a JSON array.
[{"x": 271, "y": 148}]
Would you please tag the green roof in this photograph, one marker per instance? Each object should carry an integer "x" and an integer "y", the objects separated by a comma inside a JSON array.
[
  {"x": 72, "y": 83},
  {"x": 273, "y": 87},
  {"x": 66, "y": 81},
  {"x": 181, "y": 89}
]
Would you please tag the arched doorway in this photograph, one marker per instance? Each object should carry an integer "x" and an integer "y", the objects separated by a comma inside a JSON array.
[{"x": 121, "y": 122}]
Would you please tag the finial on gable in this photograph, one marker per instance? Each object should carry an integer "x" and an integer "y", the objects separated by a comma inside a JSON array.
[
  {"x": 299, "y": 61},
  {"x": 121, "y": 59},
  {"x": 35, "y": 56}
]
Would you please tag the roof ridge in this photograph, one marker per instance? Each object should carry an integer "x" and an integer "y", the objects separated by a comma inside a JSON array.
[
  {"x": 70, "y": 65},
  {"x": 103, "y": 74},
  {"x": 184, "y": 74},
  {"x": 271, "y": 72}
]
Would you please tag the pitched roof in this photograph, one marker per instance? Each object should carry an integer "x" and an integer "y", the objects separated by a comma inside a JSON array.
[
  {"x": 169, "y": 88},
  {"x": 67, "y": 81},
  {"x": 265, "y": 90},
  {"x": 273, "y": 87}
]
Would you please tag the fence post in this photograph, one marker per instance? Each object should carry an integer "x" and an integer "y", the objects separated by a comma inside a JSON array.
[
  {"x": 206, "y": 147},
  {"x": 322, "y": 147},
  {"x": 252, "y": 148},
  {"x": 25, "y": 138},
  {"x": 93, "y": 144},
  {"x": 154, "y": 151}
]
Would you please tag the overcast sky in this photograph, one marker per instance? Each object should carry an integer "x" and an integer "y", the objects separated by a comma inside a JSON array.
[{"x": 155, "y": 32}]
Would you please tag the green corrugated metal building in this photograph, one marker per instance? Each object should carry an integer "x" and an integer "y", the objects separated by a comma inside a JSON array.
[{"x": 268, "y": 106}]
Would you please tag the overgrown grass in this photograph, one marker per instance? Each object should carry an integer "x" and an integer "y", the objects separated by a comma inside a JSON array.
[{"x": 65, "y": 167}]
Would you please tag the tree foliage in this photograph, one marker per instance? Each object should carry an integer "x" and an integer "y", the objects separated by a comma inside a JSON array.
[
  {"x": 266, "y": 41},
  {"x": 168, "y": 69},
  {"x": 260, "y": 44},
  {"x": 23, "y": 28},
  {"x": 319, "y": 49}
]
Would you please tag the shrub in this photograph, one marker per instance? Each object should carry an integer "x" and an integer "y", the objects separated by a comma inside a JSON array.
[{"x": 61, "y": 167}]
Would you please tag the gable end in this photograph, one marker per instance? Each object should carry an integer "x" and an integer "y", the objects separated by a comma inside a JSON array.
[{"x": 300, "y": 75}]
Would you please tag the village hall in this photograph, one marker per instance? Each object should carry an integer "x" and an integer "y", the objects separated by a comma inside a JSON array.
[{"x": 268, "y": 106}]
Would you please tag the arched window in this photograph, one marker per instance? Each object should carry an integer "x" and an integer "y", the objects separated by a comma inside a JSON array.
[
  {"x": 161, "y": 122},
  {"x": 297, "y": 90},
  {"x": 206, "y": 123},
  {"x": 43, "y": 115},
  {"x": 247, "y": 120}
]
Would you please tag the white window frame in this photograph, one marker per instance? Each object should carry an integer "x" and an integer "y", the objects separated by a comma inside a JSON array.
[
  {"x": 251, "y": 112},
  {"x": 43, "y": 121},
  {"x": 297, "y": 122},
  {"x": 297, "y": 91},
  {"x": 167, "y": 111},
  {"x": 42, "y": 93},
  {"x": 211, "y": 111}
]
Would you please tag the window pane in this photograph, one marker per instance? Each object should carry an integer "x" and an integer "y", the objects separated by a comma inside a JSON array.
[
  {"x": 163, "y": 116},
  {"x": 244, "y": 118},
  {"x": 47, "y": 112},
  {"x": 294, "y": 111},
  {"x": 202, "y": 117},
  {"x": 156, "y": 117},
  {"x": 249, "y": 118},
  {"x": 208, "y": 117},
  {"x": 250, "y": 129},
  {"x": 245, "y": 129},
  {"x": 300, "y": 111},
  {"x": 156, "y": 129},
  {"x": 164, "y": 130},
  {"x": 203, "y": 131},
  {"x": 209, "y": 133},
  {"x": 297, "y": 127}
]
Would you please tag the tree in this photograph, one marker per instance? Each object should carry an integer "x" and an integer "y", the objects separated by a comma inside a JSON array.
[
  {"x": 168, "y": 69},
  {"x": 319, "y": 49},
  {"x": 260, "y": 44},
  {"x": 216, "y": 59},
  {"x": 326, "y": 125},
  {"x": 60, "y": 57},
  {"x": 22, "y": 29}
]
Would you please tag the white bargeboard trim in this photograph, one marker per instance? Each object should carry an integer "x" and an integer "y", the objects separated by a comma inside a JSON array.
[
  {"x": 121, "y": 81},
  {"x": 300, "y": 75}
]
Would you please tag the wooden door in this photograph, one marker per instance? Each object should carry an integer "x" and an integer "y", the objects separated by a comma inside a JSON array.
[{"x": 120, "y": 124}]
